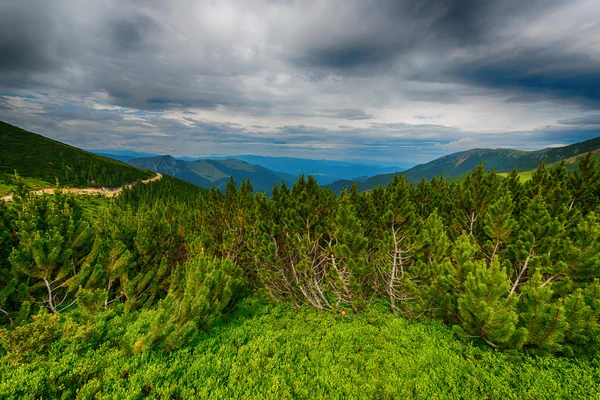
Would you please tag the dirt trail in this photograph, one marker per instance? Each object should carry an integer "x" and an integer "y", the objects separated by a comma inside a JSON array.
[{"x": 103, "y": 191}]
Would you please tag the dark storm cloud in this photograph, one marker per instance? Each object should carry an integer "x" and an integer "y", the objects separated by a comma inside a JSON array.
[
  {"x": 562, "y": 135},
  {"x": 381, "y": 32},
  {"x": 131, "y": 34},
  {"x": 388, "y": 34},
  {"x": 117, "y": 53},
  {"x": 284, "y": 72},
  {"x": 548, "y": 72},
  {"x": 472, "y": 22},
  {"x": 583, "y": 120},
  {"x": 27, "y": 39}
]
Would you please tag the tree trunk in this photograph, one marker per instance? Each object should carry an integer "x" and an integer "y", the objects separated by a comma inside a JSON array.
[{"x": 51, "y": 304}]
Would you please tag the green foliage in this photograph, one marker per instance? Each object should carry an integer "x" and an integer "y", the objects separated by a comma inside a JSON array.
[
  {"x": 274, "y": 352},
  {"x": 499, "y": 225},
  {"x": 53, "y": 240},
  {"x": 201, "y": 289},
  {"x": 350, "y": 271},
  {"x": 544, "y": 317},
  {"x": 34, "y": 156},
  {"x": 30, "y": 339},
  {"x": 168, "y": 189},
  {"x": 487, "y": 310}
]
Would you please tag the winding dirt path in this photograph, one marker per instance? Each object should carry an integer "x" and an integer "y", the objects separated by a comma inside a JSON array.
[{"x": 103, "y": 191}]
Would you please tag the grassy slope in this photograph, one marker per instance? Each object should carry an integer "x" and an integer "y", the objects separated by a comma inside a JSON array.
[
  {"x": 524, "y": 176},
  {"x": 274, "y": 352},
  {"x": 35, "y": 156},
  {"x": 571, "y": 164},
  {"x": 7, "y": 183}
]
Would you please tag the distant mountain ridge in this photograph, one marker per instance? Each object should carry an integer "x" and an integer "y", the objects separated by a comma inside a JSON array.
[
  {"x": 457, "y": 164},
  {"x": 325, "y": 171},
  {"x": 206, "y": 173}
]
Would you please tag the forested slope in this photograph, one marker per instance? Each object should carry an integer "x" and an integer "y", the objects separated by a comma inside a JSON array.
[{"x": 35, "y": 156}]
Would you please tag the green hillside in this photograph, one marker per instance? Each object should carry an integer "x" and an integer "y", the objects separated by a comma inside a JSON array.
[
  {"x": 502, "y": 160},
  {"x": 36, "y": 157},
  {"x": 208, "y": 173}
]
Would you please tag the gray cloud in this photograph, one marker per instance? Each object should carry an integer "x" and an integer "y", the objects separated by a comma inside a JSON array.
[
  {"x": 344, "y": 78},
  {"x": 549, "y": 72},
  {"x": 27, "y": 40},
  {"x": 131, "y": 34},
  {"x": 593, "y": 119}
]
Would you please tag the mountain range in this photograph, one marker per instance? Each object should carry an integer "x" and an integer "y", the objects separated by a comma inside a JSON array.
[
  {"x": 324, "y": 171},
  {"x": 208, "y": 173},
  {"x": 46, "y": 160},
  {"x": 457, "y": 164}
]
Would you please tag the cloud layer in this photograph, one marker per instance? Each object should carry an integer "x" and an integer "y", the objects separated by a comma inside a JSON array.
[{"x": 388, "y": 81}]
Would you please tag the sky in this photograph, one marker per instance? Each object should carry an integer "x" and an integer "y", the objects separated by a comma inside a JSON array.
[{"x": 390, "y": 82}]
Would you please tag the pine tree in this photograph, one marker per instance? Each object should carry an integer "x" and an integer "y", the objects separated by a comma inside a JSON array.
[
  {"x": 449, "y": 285},
  {"x": 516, "y": 190},
  {"x": 349, "y": 270},
  {"x": 581, "y": 252},
  {"x": 542, "y": 316},
  {"x": 396, "y": 248},
  {"x": 582, "y": 312},
  {"x": 498, "y": 226},
  {"x": 160, "y": 246},
  {"x": 432, "y": 262},
  {"x": 487, "y": 310},
  {"x": 540, "y": 180},
  {"x": 8, "y": 279},
  {"x": 422, "y": 198},
  {"x": 584, "y": 185},
  {"x": 110, "y": 262},
  {"x": 201, "y": 289},
  {"x": 295, "y": 230},
  {"x": 557, "y": 195},
  {"x": 238, "y": 216},
  {"x": 477, "y": 191},
  {"x": 538, "y": 237},
  {"x": 53, "y": 242}
]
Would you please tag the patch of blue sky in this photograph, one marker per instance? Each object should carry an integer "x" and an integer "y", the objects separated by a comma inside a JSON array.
[
  {"x": 22, "y": 96},
  {"x": 69, "y": 107},
  {"x": 127, "y": 111}
]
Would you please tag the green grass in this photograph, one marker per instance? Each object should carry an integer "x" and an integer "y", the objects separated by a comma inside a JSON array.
[
  {"x": 277, "y": 353},
  {"x": 7, "y": 183},
  {"x": 524, "y": 176},
  {"x": 5, "y": 189}
]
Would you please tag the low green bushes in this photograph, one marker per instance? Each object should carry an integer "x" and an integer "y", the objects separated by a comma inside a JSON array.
[{"x": 264, "y": 351}]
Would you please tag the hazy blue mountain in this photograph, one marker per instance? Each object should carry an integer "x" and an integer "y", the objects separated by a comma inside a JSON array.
[
  {"x": 325, "y": 171},
  {"x": 457, "y": 164},
  {"x": 206, "y": 173}
]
